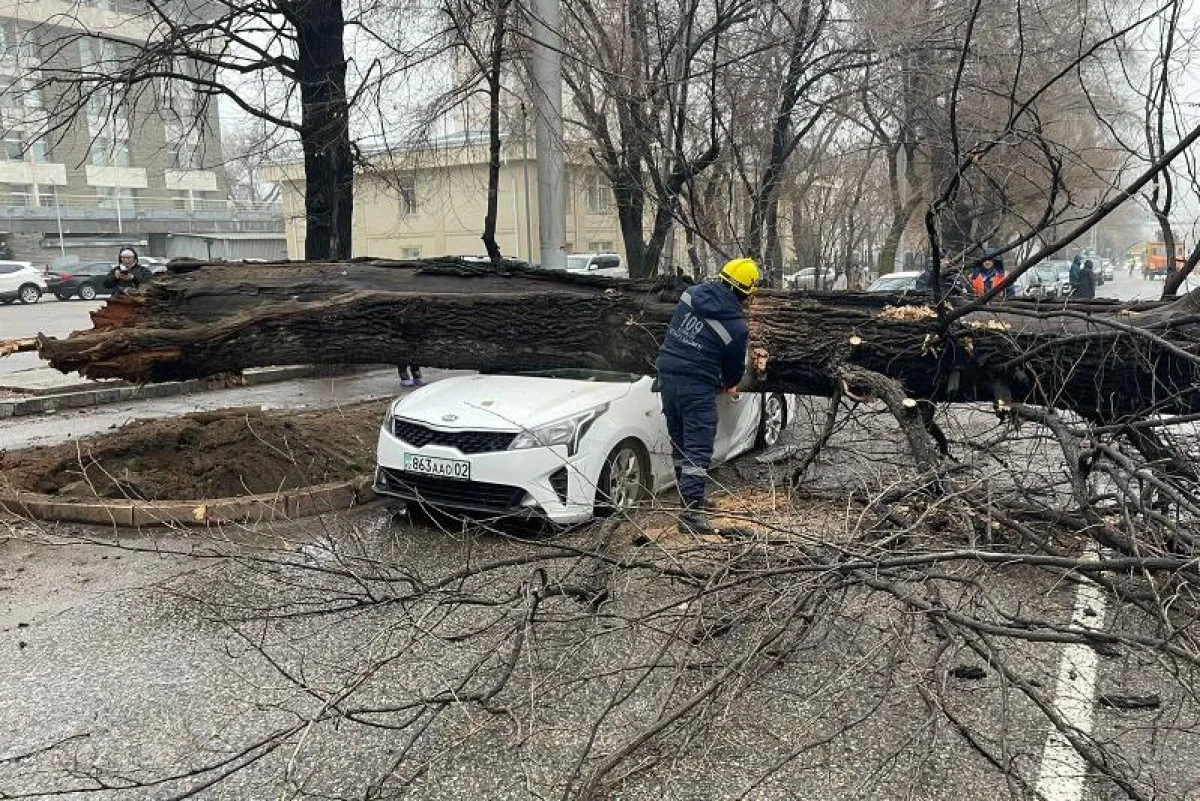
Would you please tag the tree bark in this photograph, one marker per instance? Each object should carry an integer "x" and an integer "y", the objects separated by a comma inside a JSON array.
[
  {"x": 1101, "y": 360},
  {"x": 324, "y": 129},
  {"x": 499, "y": 27}
]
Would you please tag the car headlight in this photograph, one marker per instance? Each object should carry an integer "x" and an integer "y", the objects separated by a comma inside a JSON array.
[
  {"x": 390, "y": 415},
  {"x": 568, "y": 431}
]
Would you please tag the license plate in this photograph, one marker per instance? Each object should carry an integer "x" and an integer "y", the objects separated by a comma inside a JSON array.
[{"x": 433, "y": 466}]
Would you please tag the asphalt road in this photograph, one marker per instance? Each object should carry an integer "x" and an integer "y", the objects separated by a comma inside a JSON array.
[
  {"x": 155, "y": 656},
  {"x": 158, "y": 661},
  {"x": 49, "y": 316}
]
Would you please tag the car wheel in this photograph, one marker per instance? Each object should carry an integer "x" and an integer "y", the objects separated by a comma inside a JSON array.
[
  {"x": 62, "y": 295},
  {"x": 87, "y": 292},
  {"x": 623, "y": 479},
  {"x": 772, "y": 421},
  {"x": 7, "y": 301},
  {"x": 29, "y": 293}
]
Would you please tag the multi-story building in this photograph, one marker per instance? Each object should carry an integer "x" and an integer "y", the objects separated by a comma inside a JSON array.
[
  {"x": 144, "y": 171},
  {"x": 431, "y": 201}
]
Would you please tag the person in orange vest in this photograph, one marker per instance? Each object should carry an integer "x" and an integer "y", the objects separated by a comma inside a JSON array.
[{"x": 988, "y": 273}]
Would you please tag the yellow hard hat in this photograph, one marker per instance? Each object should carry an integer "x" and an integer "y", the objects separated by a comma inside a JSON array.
[{"x": 741, "y": 274}]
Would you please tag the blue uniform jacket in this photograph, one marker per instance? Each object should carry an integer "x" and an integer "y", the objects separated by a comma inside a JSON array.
[{"x": 706, "y": 341}]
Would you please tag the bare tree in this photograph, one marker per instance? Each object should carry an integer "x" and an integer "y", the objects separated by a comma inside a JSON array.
[{"x": 280, "y": 62}]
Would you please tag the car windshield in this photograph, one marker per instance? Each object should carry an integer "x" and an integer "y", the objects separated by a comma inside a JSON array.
[
  {"x": 583, "y": 374},
  {"x": 578, "y": 262},
  {"x": 893, "y": 283}
]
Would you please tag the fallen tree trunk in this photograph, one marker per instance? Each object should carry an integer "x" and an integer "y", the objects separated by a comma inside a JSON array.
[{"x": 1105, "y": 361}]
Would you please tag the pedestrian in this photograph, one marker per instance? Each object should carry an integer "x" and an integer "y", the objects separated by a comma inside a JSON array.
[
  {"x": 410, "y": 375},
  {"x": 703, "y": 355},
  {"x": 127, "y": 275},
  {"x": 1074, "y": 273},
  {"x": 840, "y": 283},
  {"x": 1087, "y": 282}
]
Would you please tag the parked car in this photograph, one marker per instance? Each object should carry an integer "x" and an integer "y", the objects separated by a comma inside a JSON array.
[
  {"x": 807, "y": 278},
  {"x": 559, "y": 444},
  {"x": 1045, "y": 281},
  {"x": 155, "y": 264},
  {"x": 20, "y": 280},
  {"x": 1063, "y": 269},
  {"x": 606, "y": 264},
  {"x": 902, "y": 281},
  {"x": 86, "y": 281}
]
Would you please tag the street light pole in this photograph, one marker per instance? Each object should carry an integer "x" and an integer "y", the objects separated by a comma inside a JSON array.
[{"x": 548, "y": 122}]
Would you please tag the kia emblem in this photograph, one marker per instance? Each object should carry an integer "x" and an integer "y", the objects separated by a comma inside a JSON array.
[{"x": 449, "y": 418}]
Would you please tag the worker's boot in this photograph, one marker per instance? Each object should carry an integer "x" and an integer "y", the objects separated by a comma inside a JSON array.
[{"x": 693, "y": 520}]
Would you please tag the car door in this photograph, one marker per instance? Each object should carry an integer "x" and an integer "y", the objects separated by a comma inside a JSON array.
[{"x": 10, "y": 278}]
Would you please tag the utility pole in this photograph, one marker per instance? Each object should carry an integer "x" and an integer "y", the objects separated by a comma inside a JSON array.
[{"x": 547, "y": 103}]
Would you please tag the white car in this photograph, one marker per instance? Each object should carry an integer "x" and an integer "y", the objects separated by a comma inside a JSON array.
[
  {"x": 20, "y": 280},
  {"x": 604, "y": 264},
  {"x": 559, "y": 444}
]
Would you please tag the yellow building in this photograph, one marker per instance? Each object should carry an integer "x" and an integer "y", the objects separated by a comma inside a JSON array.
[{"x": 430, "y": 201}]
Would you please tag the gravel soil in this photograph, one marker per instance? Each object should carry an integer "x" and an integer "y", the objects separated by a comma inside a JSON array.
[{"x": 204, "y": 455}]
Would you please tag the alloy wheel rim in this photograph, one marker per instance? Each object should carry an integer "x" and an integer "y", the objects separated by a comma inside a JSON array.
[
  {"x": 773, "y": 424},
  {"x": 624, "y": 479}
]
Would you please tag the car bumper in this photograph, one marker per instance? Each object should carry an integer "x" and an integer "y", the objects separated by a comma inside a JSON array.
[{"x": 536, "y": 482}]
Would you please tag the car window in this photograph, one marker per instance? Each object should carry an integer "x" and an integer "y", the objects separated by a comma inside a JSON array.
[
  {"x": 9, "y": 269},
  {"x": 607, "y": 262}
]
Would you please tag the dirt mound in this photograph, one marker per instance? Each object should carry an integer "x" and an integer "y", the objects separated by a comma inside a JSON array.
[{"x": 204, "y": 455}]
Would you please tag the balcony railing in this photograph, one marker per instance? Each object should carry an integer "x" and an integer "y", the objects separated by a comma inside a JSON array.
[{"x": 29, "y": 205}]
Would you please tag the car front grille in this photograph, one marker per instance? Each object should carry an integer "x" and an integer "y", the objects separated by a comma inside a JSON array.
[
  {"x": 476, "y": 495},
  {"x": 419, "y": 436}
]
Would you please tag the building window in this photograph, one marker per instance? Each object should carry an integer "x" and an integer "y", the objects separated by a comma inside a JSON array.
[
  {"x": 106, "y": 152},
  {"x": 410, "y": 253},
  {"x": 598, "y": 193},
  {"x": 603, "y": 246},
  {"x": 14, "y": 146},
  {"x": 408, "y": 197},
  {"x": 37, "y": 151},
  {"x": 181, "y": 201}
]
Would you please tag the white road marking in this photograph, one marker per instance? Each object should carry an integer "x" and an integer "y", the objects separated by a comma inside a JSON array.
[{"x": 1063, "y": 771}]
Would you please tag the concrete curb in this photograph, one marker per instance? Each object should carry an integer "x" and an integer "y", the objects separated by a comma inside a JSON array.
[
  {"x": 303, "y": 502},
  {"x": 98, "y": 396}
]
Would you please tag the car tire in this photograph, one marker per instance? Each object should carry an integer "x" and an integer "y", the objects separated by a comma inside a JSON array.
[
  {"x": 772, "y": 421},
  {"x": 29, "y": 293},
  {"x": 623, "y": 479},
  {"x": 87, "y": 292},
  {"x": 63, "y": 295},
  {"x": 7, "y": 301}
]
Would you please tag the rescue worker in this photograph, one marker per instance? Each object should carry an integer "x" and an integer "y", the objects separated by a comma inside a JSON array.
[
  {"x": 703, "y": 354},
  {"x": 987, "y": 274}
]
